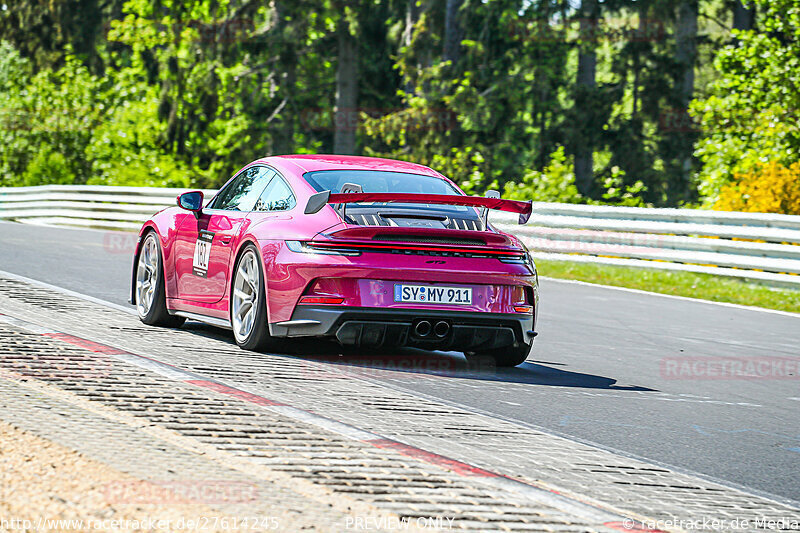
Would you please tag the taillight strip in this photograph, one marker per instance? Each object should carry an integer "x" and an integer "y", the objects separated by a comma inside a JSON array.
[{"x": 369, "y": 246}]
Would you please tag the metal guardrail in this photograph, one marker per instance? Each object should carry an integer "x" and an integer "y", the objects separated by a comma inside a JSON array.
[
  {"x": 754, "y": 246},
  {"x": 99, "y": 207}
]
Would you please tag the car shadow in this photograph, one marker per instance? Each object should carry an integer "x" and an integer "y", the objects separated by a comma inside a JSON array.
[
  {"x": 377, "y": 363},
  {"x": 382, "y": 363}
]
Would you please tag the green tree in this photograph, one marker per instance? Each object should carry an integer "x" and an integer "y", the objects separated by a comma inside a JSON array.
[
  {"x": 749, "y": 116},
  {"x": 46, "y": 120},
  {"x": 46, "y": 31}
]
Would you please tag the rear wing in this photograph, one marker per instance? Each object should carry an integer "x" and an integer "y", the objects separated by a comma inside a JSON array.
[{"x": 317, "y": 201}]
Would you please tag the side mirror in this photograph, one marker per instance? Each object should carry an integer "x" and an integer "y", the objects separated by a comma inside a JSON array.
[{"x": 191, "y": 201}]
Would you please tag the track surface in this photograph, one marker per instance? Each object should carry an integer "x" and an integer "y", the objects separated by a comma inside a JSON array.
[{"x": 598, "y": 372}]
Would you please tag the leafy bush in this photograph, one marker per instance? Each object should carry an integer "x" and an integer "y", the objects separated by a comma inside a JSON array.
[
  {"x": 770, "y": 188},
  {"x": 749, "y": 116},
  {"x": 737, "y": 144},
  {"x": 17, "y": 149},
  {"x": 48, "y": 167},
  {"x": 125, "y": 150},
  {"x": 616, "y": 192},
  {"x": 46, "y": 121},
  {"x": 557, "y": 184},
  {"x": 67, "y": 126}
]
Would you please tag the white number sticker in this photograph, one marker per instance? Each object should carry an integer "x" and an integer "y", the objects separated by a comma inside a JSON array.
[{"x": 202, "y": 253}]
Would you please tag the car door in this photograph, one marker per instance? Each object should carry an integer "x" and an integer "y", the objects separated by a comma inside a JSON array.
[{"x": 204, "y": 244}]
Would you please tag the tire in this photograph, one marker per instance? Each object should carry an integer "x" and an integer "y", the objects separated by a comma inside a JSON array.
[
  {"x": 150, "y": 295},
  {"x": 248, "y": 303},
  {"x": 503, "y": 357}
]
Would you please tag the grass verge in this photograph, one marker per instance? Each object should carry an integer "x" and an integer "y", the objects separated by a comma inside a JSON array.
[{"x": 689, "y": 284}]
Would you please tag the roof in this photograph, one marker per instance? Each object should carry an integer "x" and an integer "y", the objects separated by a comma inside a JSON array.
[{"x": 308, "y": 163}]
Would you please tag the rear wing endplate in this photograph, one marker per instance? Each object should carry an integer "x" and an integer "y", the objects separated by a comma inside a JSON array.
[{"x": 317, "y": 201}]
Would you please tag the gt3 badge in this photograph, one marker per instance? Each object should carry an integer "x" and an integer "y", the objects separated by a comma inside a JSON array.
[{"x": 202, "y": 252}]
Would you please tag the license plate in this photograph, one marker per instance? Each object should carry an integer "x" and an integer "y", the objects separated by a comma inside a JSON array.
[{"x": 427, "y": 294}]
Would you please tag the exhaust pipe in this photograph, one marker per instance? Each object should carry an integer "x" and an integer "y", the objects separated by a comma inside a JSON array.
[
  {"x": 423, "y": 328},
  {"x": 441, "y": 329}
]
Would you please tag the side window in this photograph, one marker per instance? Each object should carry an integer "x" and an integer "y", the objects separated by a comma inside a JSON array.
[
  {"x": 276, "y": 197},
  {"x": 243, "y": 192}
]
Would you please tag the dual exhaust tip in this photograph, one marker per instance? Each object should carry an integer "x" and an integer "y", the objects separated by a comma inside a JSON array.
[{"x": 425, "y": 329}]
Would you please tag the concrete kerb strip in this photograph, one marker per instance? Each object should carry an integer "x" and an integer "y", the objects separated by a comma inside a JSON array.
[{"x": 593, "y": 511}]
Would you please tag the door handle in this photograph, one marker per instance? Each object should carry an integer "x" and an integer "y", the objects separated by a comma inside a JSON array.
[{"x": 225, "y": 242}]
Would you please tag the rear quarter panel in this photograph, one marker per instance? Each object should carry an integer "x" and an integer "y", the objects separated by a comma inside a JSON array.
[{"x": 269, "y": 232}]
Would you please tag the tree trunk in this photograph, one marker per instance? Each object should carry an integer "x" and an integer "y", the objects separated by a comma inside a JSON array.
[
  {"x": 452, "y": 31},
  {"x": 284, "y": 140},
  {"x": 685, "y": 55},
  {"x": 412, "y": 17},
  {"x": 346, "y": 108},
  {"x": 587, "y": 68},
  {"x": 743, "y": 17},
  {"x": 637, "y": 60},
  {"x": 686, "y": 48}
]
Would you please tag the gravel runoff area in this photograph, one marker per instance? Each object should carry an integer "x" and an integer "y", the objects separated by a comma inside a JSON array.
[
  {"x": 104, "y": 471},
  {"x": 47, "y": 487}
]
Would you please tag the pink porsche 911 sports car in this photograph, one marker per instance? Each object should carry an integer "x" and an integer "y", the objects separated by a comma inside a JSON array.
[{"x": 368, "y": 252}]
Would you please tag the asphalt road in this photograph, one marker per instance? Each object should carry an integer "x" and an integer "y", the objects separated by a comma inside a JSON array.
[{"x": 632, "y": 372}]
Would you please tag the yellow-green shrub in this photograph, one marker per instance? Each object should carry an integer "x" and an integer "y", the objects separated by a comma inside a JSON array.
[{"x": 769, "y": 188}]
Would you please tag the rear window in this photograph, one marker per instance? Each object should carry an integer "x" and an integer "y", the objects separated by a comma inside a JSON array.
[
  {"x": 378, "y": 181},
  {"x": 383, "y": 181}
]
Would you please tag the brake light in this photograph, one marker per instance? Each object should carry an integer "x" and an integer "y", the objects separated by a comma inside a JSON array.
[
  {"x": 328, "y": 300},
  {"x": 523, "y": 308},
  {"x": 400, "y": 247},
  {"x": 307, "y": 248}
]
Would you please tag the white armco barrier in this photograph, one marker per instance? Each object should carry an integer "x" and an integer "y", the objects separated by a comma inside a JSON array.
[
  {"x": 756, "y": 246},
  {"x": 87, "y": 206}
]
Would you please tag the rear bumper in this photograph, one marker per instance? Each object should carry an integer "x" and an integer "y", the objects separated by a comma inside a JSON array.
[
  {"x": 367, "y": 280},
  {"x": 375, "y": 327}
]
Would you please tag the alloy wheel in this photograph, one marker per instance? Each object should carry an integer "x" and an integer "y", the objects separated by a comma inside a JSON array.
[
  {"x": 246, "y": 287},
  {"x": 146, "y": 275}
]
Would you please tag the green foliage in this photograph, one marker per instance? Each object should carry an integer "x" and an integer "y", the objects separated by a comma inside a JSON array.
[
  {"x": 750, "y": 116},
  {"x": 17, "y": 149},
  {"x": 181, "y": 93},
  {"x": 46, "y": 31},
  {"x": 47, "y": 121},
  {"x": 195, "y": 92},
  {"x": 617, "y": 191},
  {"x": 555, "y": 184},
  {"x": 484, "y": 120},
  {"x": 48, "y": 167},
  {"x": 125, "y": 149}
]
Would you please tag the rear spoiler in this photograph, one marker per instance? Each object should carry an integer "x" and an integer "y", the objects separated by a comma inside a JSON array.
[{"x": 319, "y": 200}]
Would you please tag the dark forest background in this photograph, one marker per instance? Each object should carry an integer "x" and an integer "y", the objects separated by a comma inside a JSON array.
[{"x": 631, "y": 102}]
